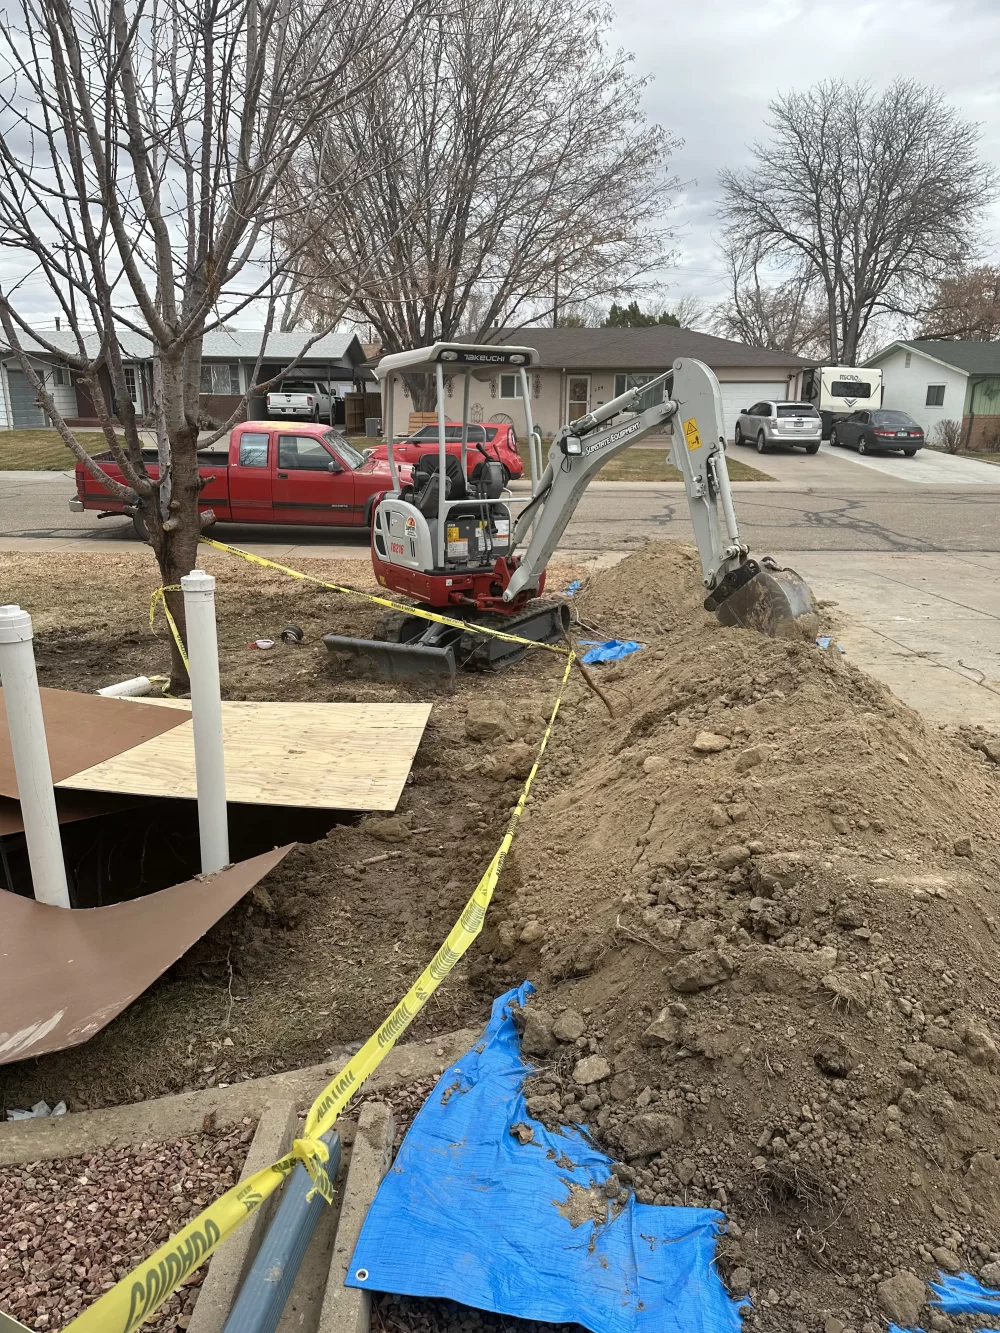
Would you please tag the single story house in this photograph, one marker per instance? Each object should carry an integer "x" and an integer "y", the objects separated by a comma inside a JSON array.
[
  {"x": 228, "y": 360},
  {"x": 582, "y": 368},
  {"x": 938, "y": 379}
]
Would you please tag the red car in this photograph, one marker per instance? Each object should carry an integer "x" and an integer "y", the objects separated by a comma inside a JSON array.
[{"x": 498, "y": 439}]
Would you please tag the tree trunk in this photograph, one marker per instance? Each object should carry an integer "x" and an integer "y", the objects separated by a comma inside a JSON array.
[
  {"x": 175, "y": 539},
  {"x": 423, "y": 392}
]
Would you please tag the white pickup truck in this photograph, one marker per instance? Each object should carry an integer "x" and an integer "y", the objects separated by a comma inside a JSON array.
[{"x": 306, "y": 400}]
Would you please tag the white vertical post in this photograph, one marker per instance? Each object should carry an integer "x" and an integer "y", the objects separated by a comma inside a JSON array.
[
  {"x": 206, "y": 717},
  {"x": 31, "y": 758}
]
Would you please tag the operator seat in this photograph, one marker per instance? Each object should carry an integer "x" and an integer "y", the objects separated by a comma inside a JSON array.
[{"x": 425, "y": 483}]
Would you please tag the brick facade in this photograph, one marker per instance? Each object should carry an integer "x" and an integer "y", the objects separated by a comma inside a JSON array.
[{"x": 981, "y": 432}]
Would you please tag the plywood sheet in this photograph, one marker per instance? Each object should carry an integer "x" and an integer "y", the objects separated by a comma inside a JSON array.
[
  {"x": 83, "y": 729},
  {"x": 66, "y": 972},
  {"x": 331, "y": 756}
]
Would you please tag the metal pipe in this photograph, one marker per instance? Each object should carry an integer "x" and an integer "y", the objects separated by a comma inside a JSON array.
[
  {"x": 530, "y": 425},
  {"x": 206, "y": 716},
  {"x": 442, "y": 464},
  {"x": 262, "y": 1298},
  {"x": 465, "y": 423},
  {"x": 31, "y": 758},
  {"x": 389, "y": 390}
]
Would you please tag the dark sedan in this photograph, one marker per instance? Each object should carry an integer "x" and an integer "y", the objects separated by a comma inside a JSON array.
[{"x": 874, "y": 432}]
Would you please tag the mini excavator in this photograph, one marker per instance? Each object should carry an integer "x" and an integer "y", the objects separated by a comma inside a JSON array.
[{"x": 453, "y": 539}]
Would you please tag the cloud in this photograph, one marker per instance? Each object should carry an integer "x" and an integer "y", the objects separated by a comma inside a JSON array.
[{"x": 717, "y": 63}]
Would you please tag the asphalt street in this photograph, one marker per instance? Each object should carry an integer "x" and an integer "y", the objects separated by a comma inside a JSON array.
[
  {"x": 832, "y": 501},
  {"x": 907, "y": 551}
]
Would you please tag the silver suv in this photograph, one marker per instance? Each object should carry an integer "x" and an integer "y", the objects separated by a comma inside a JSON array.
[{"x": 772, "y": 423}]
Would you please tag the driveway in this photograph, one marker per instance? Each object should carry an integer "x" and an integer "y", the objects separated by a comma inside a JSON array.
[{"x": 927, "y": 467}]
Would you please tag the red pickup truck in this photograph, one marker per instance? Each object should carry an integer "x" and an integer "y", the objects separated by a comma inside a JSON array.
[{"x": 272, "y": 472}]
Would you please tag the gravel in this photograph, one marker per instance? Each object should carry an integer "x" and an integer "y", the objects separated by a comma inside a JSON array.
[{"x": 71, "y": 1229}]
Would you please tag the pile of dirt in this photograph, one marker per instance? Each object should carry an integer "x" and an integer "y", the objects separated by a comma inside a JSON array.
[{"x": 761, "y": 906}]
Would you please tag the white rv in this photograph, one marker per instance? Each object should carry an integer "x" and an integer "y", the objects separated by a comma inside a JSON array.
[{"x": 837, "y": 391}]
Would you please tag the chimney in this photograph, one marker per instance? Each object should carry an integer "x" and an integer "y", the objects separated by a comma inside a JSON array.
[{"x": 57, "y": 323}]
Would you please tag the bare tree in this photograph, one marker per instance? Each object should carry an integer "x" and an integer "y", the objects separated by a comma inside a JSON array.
[
  {"x": 872, "y": 196},
  {"x": 965, "y": 306},
  {"x": 786, "y": 316},
  {"x": 506, "y": 163},
  {"x": 142, "y": 147}
]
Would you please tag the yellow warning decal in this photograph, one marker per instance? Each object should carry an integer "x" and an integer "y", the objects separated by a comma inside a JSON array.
[{"x": 691, "y": 434}]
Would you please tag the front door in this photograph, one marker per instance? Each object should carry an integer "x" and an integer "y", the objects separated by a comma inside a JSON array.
[
  {"x": 577, "y": 396},
  {"x": 305, "y": 488}
]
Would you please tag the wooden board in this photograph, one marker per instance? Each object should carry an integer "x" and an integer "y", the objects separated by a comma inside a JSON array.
[{"x": 320, "y": 756}]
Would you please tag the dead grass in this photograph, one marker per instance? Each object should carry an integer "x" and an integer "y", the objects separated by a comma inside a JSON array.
[
  {"x": 43, "y": 450},
  {"x": 643, "y": 463}
]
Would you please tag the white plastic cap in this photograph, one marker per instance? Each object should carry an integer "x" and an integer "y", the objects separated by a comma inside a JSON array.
[
  {"x": 15, "y": 625},
  {"x": 198, "y": 581}
]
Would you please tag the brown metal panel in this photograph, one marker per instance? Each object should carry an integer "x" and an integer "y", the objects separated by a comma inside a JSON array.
[
  {"x": 85, "y": 729},
  {"x": 66, "y": 972}
]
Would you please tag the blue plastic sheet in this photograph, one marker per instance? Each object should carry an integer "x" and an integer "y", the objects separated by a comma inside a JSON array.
[
  {"x": 471, "y": 1213},
  {"x": 574, "y": 587},
  {"x": 960, "y": 1295},
  {"x": 612, "y": 651}
]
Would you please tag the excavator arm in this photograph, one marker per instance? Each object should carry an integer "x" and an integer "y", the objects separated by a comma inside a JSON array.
[{"x": 740, "y": 589}]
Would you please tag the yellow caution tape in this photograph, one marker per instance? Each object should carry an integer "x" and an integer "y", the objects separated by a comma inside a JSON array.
[
  {"x": 390, "y": 605},
  {"x": 159, "y": 598},
  {"x": 137, "y": 1297}
]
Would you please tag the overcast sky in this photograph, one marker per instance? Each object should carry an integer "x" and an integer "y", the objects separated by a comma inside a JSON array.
[{"x": 717, "y": 63}]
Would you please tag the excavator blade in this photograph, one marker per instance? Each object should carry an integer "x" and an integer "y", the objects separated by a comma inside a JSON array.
[{"x": 773, "y": 601}]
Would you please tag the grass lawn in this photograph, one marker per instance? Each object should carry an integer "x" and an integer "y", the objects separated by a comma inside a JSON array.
[
  {"x": 641, "y": 463},
  {"x": 42, "y": 450}
]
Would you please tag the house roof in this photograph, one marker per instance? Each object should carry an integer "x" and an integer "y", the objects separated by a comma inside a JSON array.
[
  {"x": 221, "y": 344},
  {"x": 974, "y": 358},
  {"x": 654, "y": 348}
]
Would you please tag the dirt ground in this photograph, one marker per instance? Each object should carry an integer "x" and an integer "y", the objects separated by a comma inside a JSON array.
[
  {"x": 318, "y": 955},
  {"x": 760, "y": 905}
]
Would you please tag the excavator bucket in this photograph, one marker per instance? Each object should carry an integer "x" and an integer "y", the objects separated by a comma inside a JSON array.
[{"x": 773, "y": 601}]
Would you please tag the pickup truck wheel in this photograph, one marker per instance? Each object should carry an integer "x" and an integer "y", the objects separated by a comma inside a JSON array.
[
  {"x": 140, "y": 529},
  {"x": 315, "y": 415}
]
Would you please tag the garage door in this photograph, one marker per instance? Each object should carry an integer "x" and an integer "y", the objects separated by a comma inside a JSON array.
[
  {"x": 737, "y": 396},
  {"x": 23, "y": 408}
]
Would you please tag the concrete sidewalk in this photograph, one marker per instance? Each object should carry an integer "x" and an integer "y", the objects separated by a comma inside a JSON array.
[{"x": 926, "y": 624}]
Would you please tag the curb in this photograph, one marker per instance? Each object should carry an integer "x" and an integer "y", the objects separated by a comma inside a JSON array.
[
  {"x": 185, "y": 1113},
  {"x": 348, "y": 1309}
]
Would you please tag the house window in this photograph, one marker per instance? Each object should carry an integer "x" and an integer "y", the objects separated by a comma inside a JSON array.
[
  {"x": 909, "y": 358},
  {"x": 935, "y": 395},
  {"x": 625, "y": 382},
  {"x": 219, "y": 379},
  {"x": 60, "y": 375},
  {"x": 510, "y": 386}
]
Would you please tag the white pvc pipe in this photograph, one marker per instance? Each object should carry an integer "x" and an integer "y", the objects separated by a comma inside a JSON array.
[
  {"x": 128, "y": 689},
  {"x": 31, "y": 758},
  {"x": 206, "y": 716}
]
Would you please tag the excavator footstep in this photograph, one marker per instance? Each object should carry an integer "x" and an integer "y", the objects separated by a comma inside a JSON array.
[{"x": 776, "y": 602}]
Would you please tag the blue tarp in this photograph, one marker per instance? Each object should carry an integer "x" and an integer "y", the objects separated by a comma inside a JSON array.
[
  {"x": 471, "y": 1213},
  {"x": 960, "y": 1295},
  {"x": 612, "y": 651}
]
